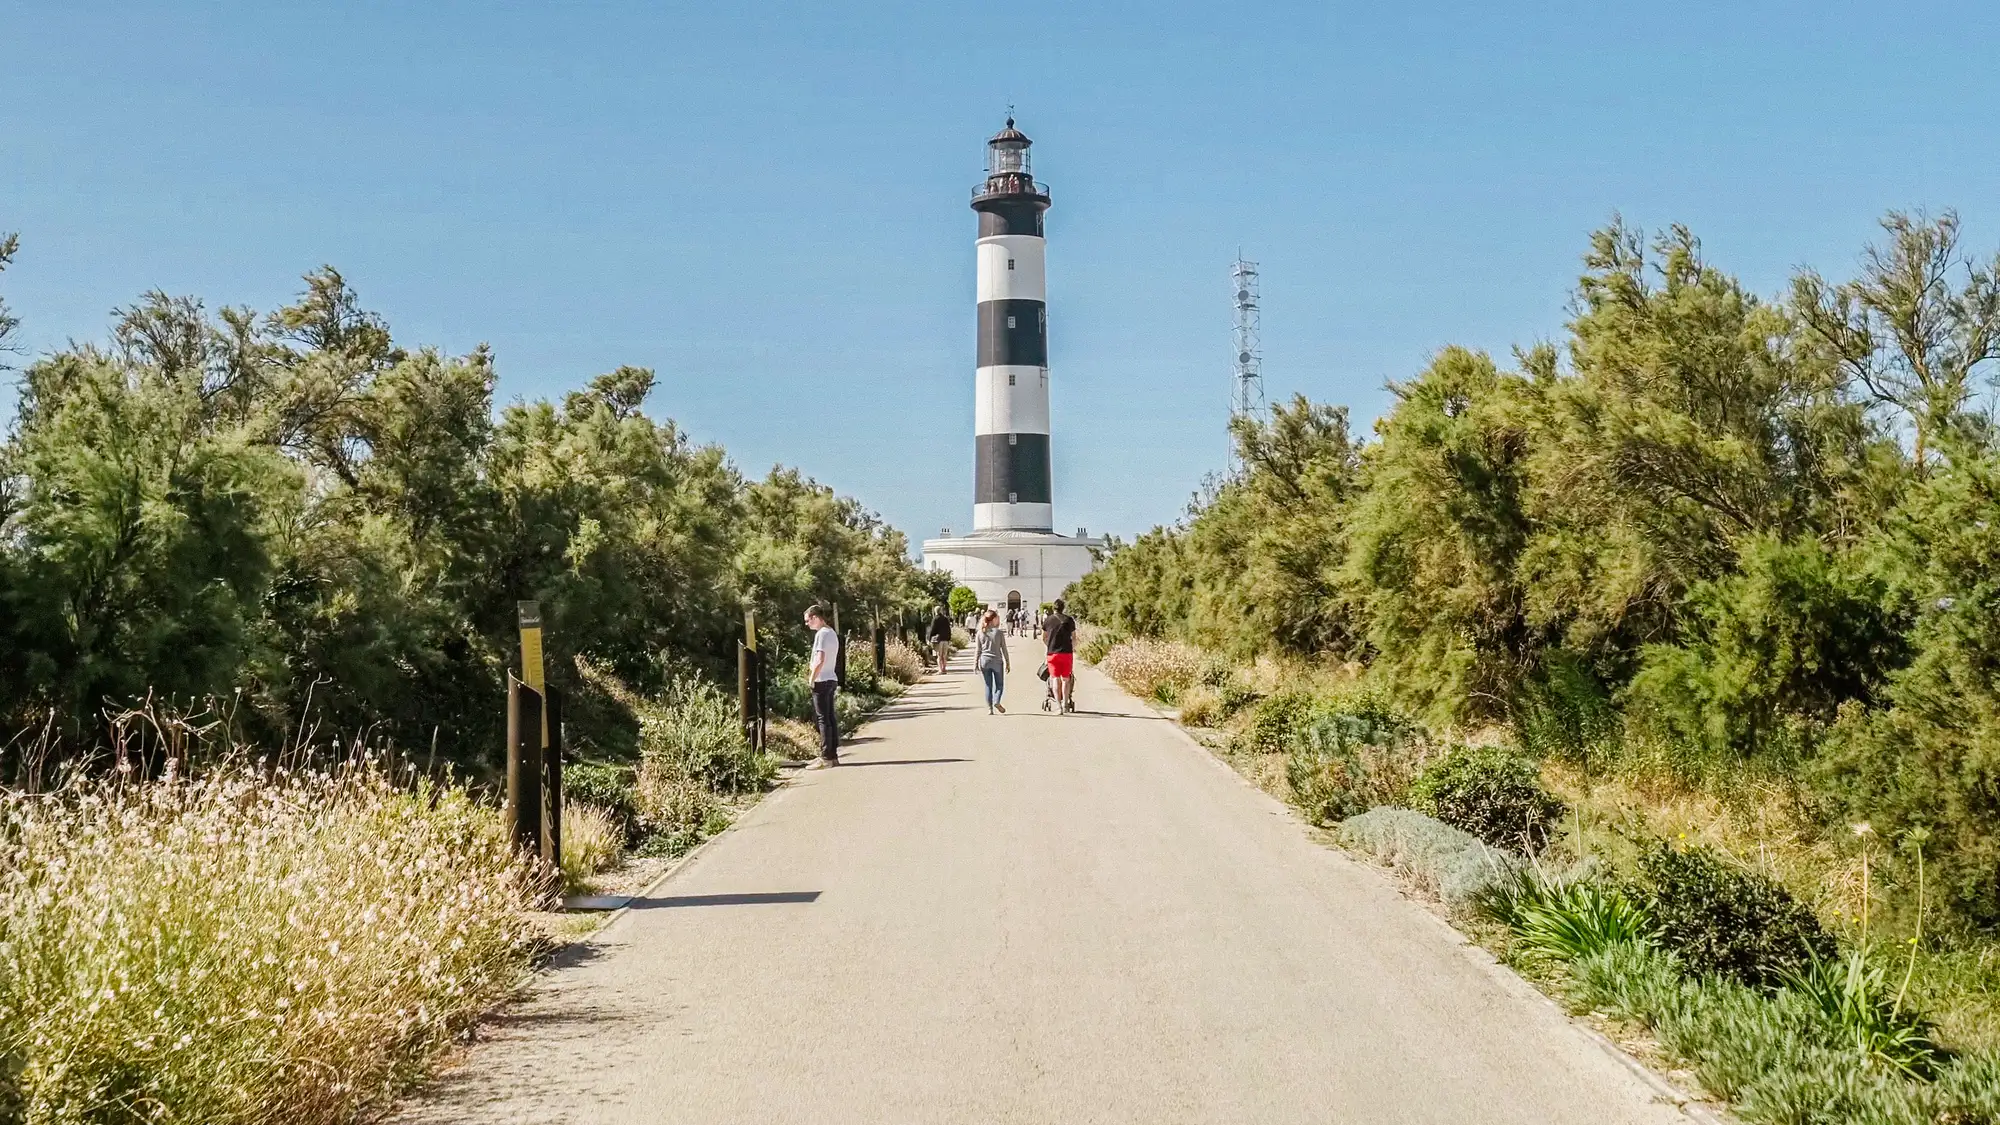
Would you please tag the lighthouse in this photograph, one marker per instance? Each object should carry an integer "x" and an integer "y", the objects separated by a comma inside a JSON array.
[{"x": 1013, "y": 556}]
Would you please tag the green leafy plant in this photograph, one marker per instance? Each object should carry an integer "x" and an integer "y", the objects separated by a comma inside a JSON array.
[
  {"x": 1851, "y": 995},
  {"x": 1492, "y": 793},
  {"x": 1721, "y": 918},
  {"x": 1562, "y": 920},
  {"x": 695, "y": 733}
]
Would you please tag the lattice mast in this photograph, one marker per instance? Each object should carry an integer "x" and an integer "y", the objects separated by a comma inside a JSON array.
[{"x": 1247, "y": 392}]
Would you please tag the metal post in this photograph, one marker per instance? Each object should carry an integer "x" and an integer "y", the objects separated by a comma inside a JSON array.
[
  {"x": 552, "y": 786},
  {"x": 524, "y": 765},
  {"x": 743, "y": 689},
  {"x": 839, "y": 651},
  {"x": 881, "y": 648}
]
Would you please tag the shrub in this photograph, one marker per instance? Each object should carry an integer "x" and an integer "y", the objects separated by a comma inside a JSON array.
[
  {"x": 1144, "y": 666},
  {"x": 1493, "y": 794},
  {"x": 1342, "y": 763},
  {"x": 608, "y": 787},
  {"x": 593, "y": 841},
  {"x": 903, "y": 663},
  {"x": 1454, "y": 865},
  {"x": 1201, "y": 706},
  {"x": 1720, "y": 918},
  {"x": 696, "y": 734},
  {"x": 1565, "y": 713},
  {"x": 1094, "y": 642},
  {"x": 1236, "y": 695},
  {"x": 1275, "y": 721},
  {"x": 247, "y": 947}
]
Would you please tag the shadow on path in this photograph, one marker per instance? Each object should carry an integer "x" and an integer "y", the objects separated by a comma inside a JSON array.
[{"x": 752, "y": 898}]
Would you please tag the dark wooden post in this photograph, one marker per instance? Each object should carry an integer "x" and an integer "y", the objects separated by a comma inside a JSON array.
[
  {"x": 552, "y": 784},
  {"x": 745, "y": 690},
  {"x": 524, "y": 765},
  {"x": 881, "y": 648},
  {"x": 840, "y": 651}
]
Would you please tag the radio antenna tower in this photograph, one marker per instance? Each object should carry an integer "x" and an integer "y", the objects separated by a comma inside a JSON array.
[{"x": 1247, "y": 396}]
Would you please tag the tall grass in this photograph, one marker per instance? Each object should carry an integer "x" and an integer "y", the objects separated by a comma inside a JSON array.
[
  {"x": 903, "y": 663},
  {"x": 246, "y": 947},
  {"x": 593, "y": 841}
]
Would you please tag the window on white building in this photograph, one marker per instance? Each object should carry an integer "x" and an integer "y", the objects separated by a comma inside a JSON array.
[{"x": 1013, "y": 568}]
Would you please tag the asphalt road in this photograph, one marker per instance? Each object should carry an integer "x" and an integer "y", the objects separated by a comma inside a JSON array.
[{"x": 1030, "y": 918}]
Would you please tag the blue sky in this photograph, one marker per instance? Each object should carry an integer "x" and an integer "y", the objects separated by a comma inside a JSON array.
[{"x": 767, "y": 203}]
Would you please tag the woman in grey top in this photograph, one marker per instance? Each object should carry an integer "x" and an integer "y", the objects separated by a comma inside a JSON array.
[{"x": 990, "y": 647}]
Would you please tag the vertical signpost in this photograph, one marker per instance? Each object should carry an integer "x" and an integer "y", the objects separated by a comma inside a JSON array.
[
  {"x": 750, "y": 683},
  {"x": 534, "y": 766}
]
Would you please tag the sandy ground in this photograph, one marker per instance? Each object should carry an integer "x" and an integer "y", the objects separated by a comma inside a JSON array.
[{"x": 1029, "y": 918}]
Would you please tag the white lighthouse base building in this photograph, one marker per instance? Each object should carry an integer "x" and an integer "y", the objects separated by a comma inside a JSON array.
[{"x": 1014, "y": 569}]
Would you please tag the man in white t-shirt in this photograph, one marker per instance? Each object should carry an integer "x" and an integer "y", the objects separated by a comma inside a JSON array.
[{"x": 824, "y": 672}]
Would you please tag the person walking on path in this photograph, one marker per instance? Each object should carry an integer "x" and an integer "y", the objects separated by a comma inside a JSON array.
[
  {"x": 939, "y": 635},
  {"x": 825, "y": 676},
  {"x": 1059, "y": 631},
  {"x": 990, "y": 647}
]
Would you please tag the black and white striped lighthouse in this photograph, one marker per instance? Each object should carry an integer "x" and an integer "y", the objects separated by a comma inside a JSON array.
[
  {"x": 1013, "y": 557},
  {"x": 1011, "y": 477}
]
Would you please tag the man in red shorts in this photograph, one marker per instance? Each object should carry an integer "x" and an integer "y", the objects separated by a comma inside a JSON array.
[{"x": 1059, "y": 630}]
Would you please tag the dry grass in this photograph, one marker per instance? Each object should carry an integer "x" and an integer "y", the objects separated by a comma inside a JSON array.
[
  {"x": 1153, "y": 669},
  {"x": 592, "y": 842},
  {"x": 246, "y": 947},
  {"x": 791, "y": 739},
  {"x": 903, "y": 663}
]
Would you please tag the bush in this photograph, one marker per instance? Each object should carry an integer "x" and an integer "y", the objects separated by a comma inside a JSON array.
[
  {"x": 1454, "y": 865},
  {"x": 1565, "y": 713},
  {"x": 246, "y": 947},
  {"x": 1278, "y": 719},
  {"x": 1094, "y": 642},
  {"x": 1343, "y": 763},
  {"x": 608, "y": 787},
  {"x": 696, "y": 734},
  {"x": 1201, "y": 706},
  {"x": 1493, "y": 794},
  {"x": 1720, "y": 918},
  {"x": 903, "y": 663},
  {"x": 593, "y": 841},
  {"x": 1147, "y": 668},
  {"x": 1236, "y": 695}
]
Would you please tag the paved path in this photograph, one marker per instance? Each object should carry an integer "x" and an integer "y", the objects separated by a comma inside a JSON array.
[{"x": 1036, "y": 919}]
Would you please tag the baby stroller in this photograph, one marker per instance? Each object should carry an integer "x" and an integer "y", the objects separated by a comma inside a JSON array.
[{"x": 1049, "y": 691}]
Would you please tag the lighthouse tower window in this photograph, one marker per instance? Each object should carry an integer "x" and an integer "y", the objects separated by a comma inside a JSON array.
[
  {"x": 1013, "y": 497},
  {"x": 1013, "y": 568},
  {"x": 1010, "y": 322},
  {"x": 1010, "y": 378},
  {"x": 1010, "y": 263}
]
